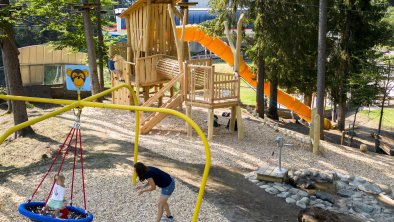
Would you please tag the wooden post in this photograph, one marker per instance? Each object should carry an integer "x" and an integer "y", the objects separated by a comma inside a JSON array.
[
  {"x": 316, "y": 132},
  {"x": 178, "y": 42},
  {"x": 189, "y": 114},
  {"x": 343, "y": 137},
  {"x": 171, "y": 91},
  {"x": 147, "y": 30},
  {"x": 237, "y": 55},
  {"x": 128, "y": 74},
  {"x": 232, "y": 118},
  {"x": 161, "y": 97},
  {"x": 240, "y": 125},
  {"x": 210, "y": 123},
  {"x": 237, "y": 48},
  {"x": 311, "y": 129}
]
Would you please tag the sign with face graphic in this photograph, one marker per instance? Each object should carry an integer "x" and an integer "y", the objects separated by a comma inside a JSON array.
[{"x": 77, "y": 77}]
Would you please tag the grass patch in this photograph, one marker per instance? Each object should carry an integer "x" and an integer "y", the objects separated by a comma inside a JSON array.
[
  {"x": 387, "y": 120},
  {"x": 248, "y": 95}
]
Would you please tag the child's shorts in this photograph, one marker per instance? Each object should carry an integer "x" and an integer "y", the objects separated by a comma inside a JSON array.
[
  {"x": 55, "y": 204},
  {"x": 167, "y": 191}
]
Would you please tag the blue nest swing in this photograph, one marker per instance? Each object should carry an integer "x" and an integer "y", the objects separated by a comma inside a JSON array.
[{"x": 32, "y": 210}]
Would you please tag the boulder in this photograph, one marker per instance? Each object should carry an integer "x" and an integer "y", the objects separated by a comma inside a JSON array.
[
  {"x": 360, "y": 207},
  {"x": 272, "y": 190},
  {"x": 301, "y": 204},
  {"x": 370, "y": 188},
  {"x": 363, "y": 148},
  {"x": 345, "y": 192},
  {"x": 290, "y": 200},
  {"x": 283, "y": 194},
  {"x": 325, "y": 196},
  {"x": 265, "y": 186}
]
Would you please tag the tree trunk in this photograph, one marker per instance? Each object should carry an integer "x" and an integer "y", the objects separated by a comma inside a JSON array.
[
  {"x": 12, "y": 71},
  {"x": 90, "y": 45},
  {"x": 9, "y": 103},
  {"x": 260, "y": 86},
  {"x": 308, "y": 99},
  {"x": 385, "y": 94},
  {"x": 342, "y": 115},
  {"x": 344, "y": 67},
  {"x": 100, "y": 51},
  {"x": 273, "y": 105},
  {"x": 354, "y": 123},
  {"x": 321, "y": 64}
]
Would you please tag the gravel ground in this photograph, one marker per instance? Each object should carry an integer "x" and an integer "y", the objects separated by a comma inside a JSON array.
[{"x": 108, "y": 151}]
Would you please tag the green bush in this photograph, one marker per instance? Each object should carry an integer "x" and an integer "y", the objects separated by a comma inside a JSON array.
[
  {"x": 29, "y": 105},
  {"x": 3, "y": 91}
]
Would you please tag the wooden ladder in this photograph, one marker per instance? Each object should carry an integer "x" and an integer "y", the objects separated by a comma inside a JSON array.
[
  {"x": 153, "y": 119},
  {"x": 175, "y": 101}
]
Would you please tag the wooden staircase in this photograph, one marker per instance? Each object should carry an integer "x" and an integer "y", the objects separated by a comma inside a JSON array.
[{"x": 175, "y": 101}]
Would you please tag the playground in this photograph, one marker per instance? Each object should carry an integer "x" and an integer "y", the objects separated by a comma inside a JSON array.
[
  {"x": 229, "y": 196},
  {"x": 187, "y": 117}
]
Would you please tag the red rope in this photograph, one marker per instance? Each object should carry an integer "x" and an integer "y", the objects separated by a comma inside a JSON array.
[
  {"x": 53, "y": 162},
  {"x": 60, "y": 167},
  {"x": 75, "y": 157},
  {"x": 83, "y": 177}
]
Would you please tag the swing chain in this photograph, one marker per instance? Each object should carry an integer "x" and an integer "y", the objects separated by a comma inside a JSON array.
[{"x": 77, "y": 113}]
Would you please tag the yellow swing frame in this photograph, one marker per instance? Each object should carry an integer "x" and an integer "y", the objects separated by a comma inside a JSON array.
[{"x": 71, "y": 104}]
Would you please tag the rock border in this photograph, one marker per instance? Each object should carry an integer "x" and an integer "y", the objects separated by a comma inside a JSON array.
[{"x": 354, "y": 195}]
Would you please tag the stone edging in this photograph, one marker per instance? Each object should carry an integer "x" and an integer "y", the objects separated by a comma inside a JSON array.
[{"x": 352, "y": 195}]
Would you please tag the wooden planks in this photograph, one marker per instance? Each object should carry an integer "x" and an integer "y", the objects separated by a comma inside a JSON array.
[
  {"x": 271, "y": 173},
  {"x": 386, "y": 145},
  {"x": 156, "y": 118}
]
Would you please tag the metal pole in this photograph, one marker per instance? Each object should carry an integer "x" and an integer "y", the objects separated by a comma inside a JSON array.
[{"x": 279, "y": 143}]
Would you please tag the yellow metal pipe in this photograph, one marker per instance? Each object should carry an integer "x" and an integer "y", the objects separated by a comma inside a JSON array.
[
  {"x": 69, "y": 102},
  {"x": 137, "y": 109},
  {"x": 36, "y": 120},
  {"x": 186, "y": 119},
  {"x": 38, "y": 100}
]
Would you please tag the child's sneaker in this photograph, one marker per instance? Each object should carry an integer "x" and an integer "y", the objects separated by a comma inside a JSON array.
[
  {"x": 170, "y": 219},
  {"x": 164, "y": 219}
]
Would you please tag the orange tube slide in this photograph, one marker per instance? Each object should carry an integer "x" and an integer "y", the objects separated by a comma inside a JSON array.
[{"x": 222, "y": 50}]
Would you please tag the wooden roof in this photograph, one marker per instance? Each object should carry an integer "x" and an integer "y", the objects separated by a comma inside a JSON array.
[{"x": 140, "y": 3}]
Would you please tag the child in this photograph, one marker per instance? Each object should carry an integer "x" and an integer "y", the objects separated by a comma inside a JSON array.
[
  {"x": 156, "y": 177},
  {"x": 57, "y": 201}
]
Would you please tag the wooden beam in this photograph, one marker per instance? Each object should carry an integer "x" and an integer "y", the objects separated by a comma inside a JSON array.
[
  {"x": 189, "y": 129},
  {"x": 210, "y": 124},
  {"x": 240, "y": 126},
  {"x": 233, "y": 115}
]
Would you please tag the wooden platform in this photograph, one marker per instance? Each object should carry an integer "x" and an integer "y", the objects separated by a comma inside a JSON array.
[{"x": 271, "y": 173}]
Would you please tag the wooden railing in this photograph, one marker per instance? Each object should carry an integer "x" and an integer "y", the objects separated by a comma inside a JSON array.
[
  {"x": 207, "y": 86},
  {"x": 156, "y": 68}
]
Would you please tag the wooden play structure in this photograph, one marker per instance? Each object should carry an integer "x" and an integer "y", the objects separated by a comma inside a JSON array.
[{"x": 152, "y": 61}]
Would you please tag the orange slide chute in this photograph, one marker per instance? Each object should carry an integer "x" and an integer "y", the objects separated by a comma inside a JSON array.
[{"x": 194, "y": 34}]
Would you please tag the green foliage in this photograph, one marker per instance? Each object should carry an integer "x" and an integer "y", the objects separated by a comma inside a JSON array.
[
  {"x": 62, "y": 18},
  {"x": 364, "y": 87},
  {"x": 3, "y": 91},
  {"x": 285, "y": 35},
  {"x": 388, "y": 21},
  {"x": 29, "y": 105},
  {"x": 356, "y": 29}
]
